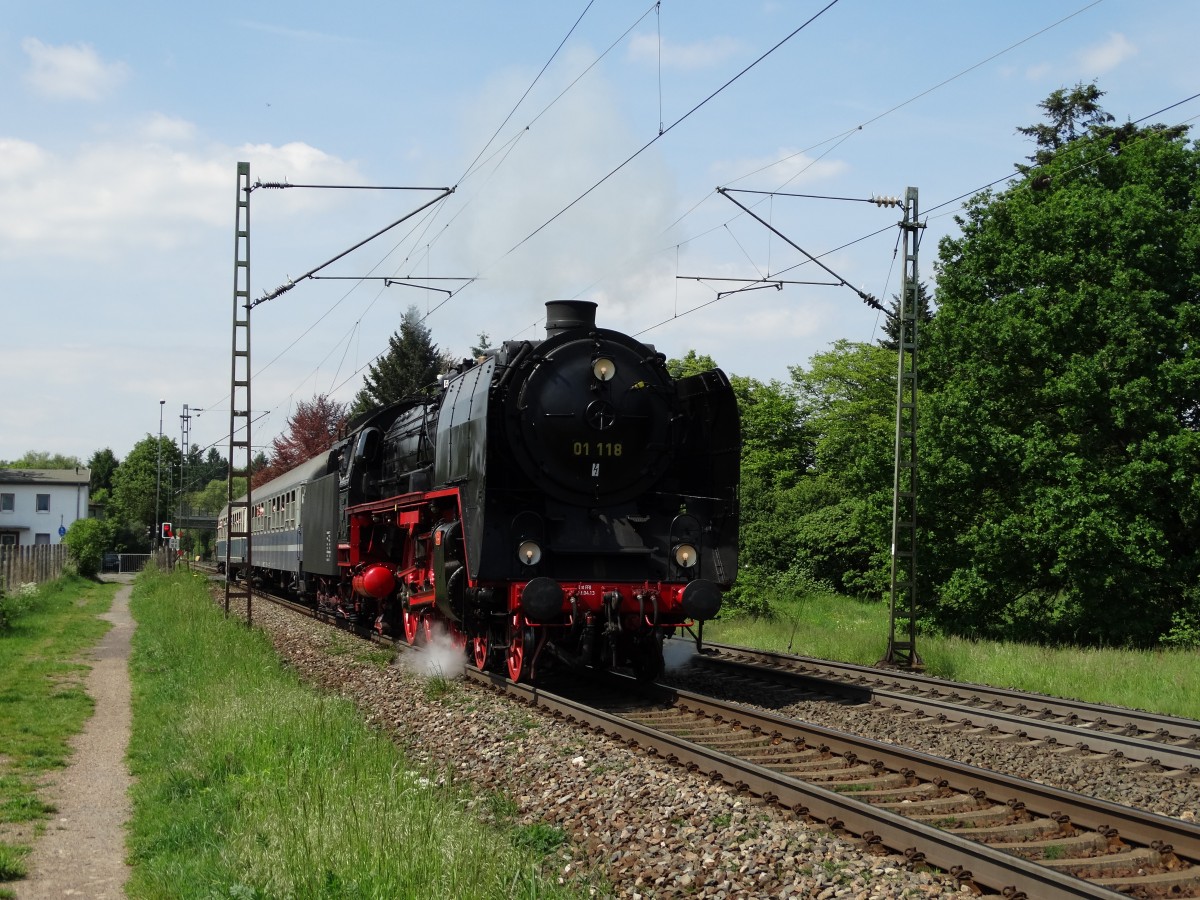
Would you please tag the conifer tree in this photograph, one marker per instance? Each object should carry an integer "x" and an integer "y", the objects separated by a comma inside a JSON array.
[{"x": 410, "y": 366}]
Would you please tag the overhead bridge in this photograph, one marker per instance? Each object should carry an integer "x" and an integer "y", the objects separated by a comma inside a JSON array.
[{"x": 197, "y": 520}]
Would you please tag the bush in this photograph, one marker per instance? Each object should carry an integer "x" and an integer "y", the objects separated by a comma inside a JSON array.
[
  {"x": 86, "y": 540},
  {"x": 759, "y": 591},
  {"x": 12, "y": 605}
]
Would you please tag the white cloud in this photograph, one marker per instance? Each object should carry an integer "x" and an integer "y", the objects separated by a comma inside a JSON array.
[
  {"x": 151, "y": 191},
  {"x": 18, "y": 159},
  {"x": 1038, "y": 71},
  {"x": 70, "y": 71},
  {"x": 686, "y": 57},
  {"x": 1107, "y": 56},
  {"x": 167, "y": 129}
]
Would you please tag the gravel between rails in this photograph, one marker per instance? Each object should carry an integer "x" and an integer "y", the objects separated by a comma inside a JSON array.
[
  {"x": 637, "y": 827},
  {"x": 1098, "y": 775}
]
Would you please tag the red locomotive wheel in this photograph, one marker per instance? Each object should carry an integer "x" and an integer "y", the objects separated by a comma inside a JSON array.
[
  {"x": 480, "y": 651},
  {"x": 516, "y": 649},
  {"x": 411, "y": 623},
  {"x": 427, "y": 627}
]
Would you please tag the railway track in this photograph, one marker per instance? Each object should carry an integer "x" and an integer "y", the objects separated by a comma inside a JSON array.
[
  {"x": 1143, "y": 738},
  {"x": 991, "y": 831}
]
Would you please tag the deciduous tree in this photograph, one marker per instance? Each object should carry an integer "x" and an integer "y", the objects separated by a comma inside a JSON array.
[
  {"x": 135, "y": 485},
  {"x": 1060, "y": 436},
  {"x": 314, "y": 427},
  {"x": 40, "y": 459},
  {"x": 847, "y": 399}
]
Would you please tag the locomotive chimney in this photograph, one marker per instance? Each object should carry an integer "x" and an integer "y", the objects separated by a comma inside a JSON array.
[{"x": 564, "y": 315}]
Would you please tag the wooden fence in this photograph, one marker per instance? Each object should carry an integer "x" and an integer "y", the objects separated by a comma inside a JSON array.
[{"x": 33, "y": 562}]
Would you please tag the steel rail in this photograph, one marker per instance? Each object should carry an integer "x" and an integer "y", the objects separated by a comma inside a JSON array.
[
  {"x": 1091, "y": 812},
  {"x": 965, "y": 859},
  {"x": 1118, "y": 744},
  {"x": 1010, "y": 874},
  {"x": 1088, "y": 718}
]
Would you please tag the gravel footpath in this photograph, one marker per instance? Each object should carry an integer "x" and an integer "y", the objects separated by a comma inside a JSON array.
[
  {"x": 82, "y": 853},
  {"x": 637, "y": 826}
]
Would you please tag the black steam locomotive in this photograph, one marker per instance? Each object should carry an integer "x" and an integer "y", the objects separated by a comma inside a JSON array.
[{"x": 564, "y": 499}]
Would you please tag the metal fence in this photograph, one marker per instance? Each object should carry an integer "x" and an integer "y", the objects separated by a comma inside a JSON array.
[
  {"x": 125, "y": 562},
  {"x": 32, "y": 563}
]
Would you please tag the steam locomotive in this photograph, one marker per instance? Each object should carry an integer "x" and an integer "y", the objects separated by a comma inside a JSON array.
[{"x": 562, "y": 500}]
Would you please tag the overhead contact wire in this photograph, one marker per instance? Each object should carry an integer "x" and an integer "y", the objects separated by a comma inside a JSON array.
[{"x": 678, "y": 121}]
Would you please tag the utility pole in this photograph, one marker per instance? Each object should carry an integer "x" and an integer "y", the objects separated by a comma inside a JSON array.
[{"x": 902, "y": 638}]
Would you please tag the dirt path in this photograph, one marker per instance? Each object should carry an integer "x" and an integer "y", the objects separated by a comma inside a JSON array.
[{"x": 82, "y": 853}]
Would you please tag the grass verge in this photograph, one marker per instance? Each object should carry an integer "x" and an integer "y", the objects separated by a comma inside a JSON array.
[
  {"x": 251, "y": 785},
  {"x": 42, "y": 702},
  {"x": 829, "y": 626}
]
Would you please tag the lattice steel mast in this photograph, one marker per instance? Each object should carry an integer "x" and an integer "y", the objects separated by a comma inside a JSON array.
[
  {"x": 240, "y": 461},
  {"x": 902, "y": 648}
]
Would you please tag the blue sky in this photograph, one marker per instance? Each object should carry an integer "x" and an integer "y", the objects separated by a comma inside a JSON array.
[{"x": 121, "y": 126}]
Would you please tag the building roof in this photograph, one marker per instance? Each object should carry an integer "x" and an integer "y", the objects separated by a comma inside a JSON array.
[{"x": 47, "y": 477}]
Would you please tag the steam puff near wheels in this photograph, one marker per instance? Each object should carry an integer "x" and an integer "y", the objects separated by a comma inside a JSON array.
[{"x": 553, "y": 503}]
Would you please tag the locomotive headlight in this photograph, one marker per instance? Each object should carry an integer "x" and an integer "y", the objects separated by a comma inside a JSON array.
[
  {"x": 529, "y": 553},
  {"x": 685, "y": 556},
  {"x": 604, "y": 369}
]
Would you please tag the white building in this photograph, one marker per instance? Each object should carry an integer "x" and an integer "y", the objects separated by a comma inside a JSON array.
[{"x": 37, "y": 506}]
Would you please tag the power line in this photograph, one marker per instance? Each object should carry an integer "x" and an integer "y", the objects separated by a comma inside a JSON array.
[
  {"x": 657, "y": 137},
  {"x": 291, "y": 283},
  {"x": 880, "y": 231},
  {"x": 517, "y": 105}
]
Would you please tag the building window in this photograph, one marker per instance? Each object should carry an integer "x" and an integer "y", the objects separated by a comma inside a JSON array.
[
  {"x": 8, "y": 502},
  {"x": 41, "y": 538},
  {"x": 43, "y": 503},
  {"x": 8, "y": 539}
]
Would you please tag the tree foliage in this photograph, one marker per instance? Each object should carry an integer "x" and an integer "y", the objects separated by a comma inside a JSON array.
[
  {"x": 314, "y": 427},
  {"x": 847, "y": 400},
  {"x": 86, "y": 542},
  {"x": 138, "y": 479},
  {"x": 1070, "y": 114},
  {"x": 891, "y": 326},
  {"x": 40, "y": 459},
  {"x": 816, "y": 473},
  {"x": 102, "y": 465},
  {"x": 410, "y": 366},
  {"x": 1062, "y": 479}
]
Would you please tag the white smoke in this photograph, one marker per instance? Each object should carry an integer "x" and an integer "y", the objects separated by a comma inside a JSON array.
[
  {"x": 678, "y": 653},
  {"x": 439, "y": 658}
]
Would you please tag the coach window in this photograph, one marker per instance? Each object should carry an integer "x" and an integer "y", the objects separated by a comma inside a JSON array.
[
  {"x": 43, "y": 503},
  {"x": 8, "y": 502}
]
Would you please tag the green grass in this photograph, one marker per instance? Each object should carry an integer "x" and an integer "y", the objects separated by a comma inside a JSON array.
[
  {"x": 42, "y": 701},
  {"x": 252, "y": 785},
  {"x": 841, "y": 628}
]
